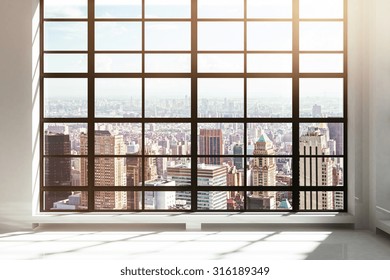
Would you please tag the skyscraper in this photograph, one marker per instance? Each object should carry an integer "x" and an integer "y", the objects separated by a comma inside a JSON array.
[
  {"x": 210, "y": 144},
  {"x": 238, "y": 150},
  {"x": 110, "y": 171},
  {"x": 316, "y": 171},
  {"x": 57, "y": 170},
  {"x": 263, "y": 168}
]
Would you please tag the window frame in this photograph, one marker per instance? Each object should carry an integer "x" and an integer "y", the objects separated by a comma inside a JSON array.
[{"x": 194, "y": 75}]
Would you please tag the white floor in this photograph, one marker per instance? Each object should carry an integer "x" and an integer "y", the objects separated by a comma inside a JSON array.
[{"x": 110, "y": 243}]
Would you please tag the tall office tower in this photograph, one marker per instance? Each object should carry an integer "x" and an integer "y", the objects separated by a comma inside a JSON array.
[
  {"x": 150, "y": 169},
  {"x": 336, "y": 133},
  {"x": 133, "y": 171},
  {"x": 338, "y": 200},
  {"x": 314, "y": 142},
  {"x": 110, "y": 171},
  {"x": 263, "y": 168},
  {"x": 134, "y": 201},
  {"x": 316, "y": 171},
  {"x": 84, "y": 167},
  {"x": 210, "y": 143},
  {"x": 332, "y": 147},
  {"x": 316, "y": 111},
  {"x": 238, "y": 149},
  {"x": 234, "y": 177},
  {"x": 57, "y": 170}
]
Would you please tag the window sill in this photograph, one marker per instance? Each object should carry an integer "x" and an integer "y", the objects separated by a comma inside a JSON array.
[{"x": 195, "y": 220}]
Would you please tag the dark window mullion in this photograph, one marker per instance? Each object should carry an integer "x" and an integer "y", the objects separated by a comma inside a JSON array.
[
  {"x": 91, "y": 104},
  {"x": 295, "y": 96},
  {"x": 194, "y": 102}
]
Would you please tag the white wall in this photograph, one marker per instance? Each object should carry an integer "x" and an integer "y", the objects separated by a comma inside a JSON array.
[
  {"x": 379, "y": 91},
  {"x": 369, "y": 113},
  {"x": 15, "y": 112}
]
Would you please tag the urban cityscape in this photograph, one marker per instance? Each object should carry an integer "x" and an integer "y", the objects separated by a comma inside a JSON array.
[{"x": 164, "y": 160}]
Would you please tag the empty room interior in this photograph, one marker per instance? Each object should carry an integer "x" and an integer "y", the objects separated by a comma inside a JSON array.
[{"x": 195, "y": 129}]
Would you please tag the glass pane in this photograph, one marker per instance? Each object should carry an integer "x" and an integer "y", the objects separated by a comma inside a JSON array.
[
  {"x": 65, "y": 138},
  {"x": 217, "y": 200},
  {"x": 321, "y": 139},
  {"x": 269, "y": 63},
  {"x": 220, "y": 36},
  {"x": 168, "y": 97},
  {"x": 65, "y": 97},
  {"x": 168, "y": 63},
  {"x": 118, "y": 97},
  {"x": 65, "y": 200},
  {"x": 118, "y": 36},
  {"x": 168, "y": 139},
  {"x": 220, "y": 63},
  {"x": 321, "y": 172},
  {"x": 321, "y": 36},
  {"x": 321, "y": 9},
  {"x": 269, "y": 97},
  {"x": 65, "y": 9},
  {"x": 219, "y": 138},
  {"x": 118, "y": 138},
  {"x": 321, "y": 200},
  {"x": 108, "y": 200},
  {"x": 66, "y": 63},
  {"x": 65, "y": 36},
  {"x": 269, "y": 36},
  {"x": 161, "y": 36},
  {"x": 321, "y": 98},
  {"x": 179, "y": 200},
  {"x": 265, "y": 200},
  {"x": 65, "y": 171},
  {"x": 269, "y": 139},
  {"x": 269, "y": 8},
  {"x": 118, "y": 63},
  {"x": 118, "y": 8},
  {"x": 269, "y": 172},
  {"x": 218, "y": 171},
  {"x": 168, "y": 9},
  {"x": 221, "y": 98},
  {"x": 167, "y": 171},
  {"x": 220, "y": 8},
  {"x": 321, "y": 63}
]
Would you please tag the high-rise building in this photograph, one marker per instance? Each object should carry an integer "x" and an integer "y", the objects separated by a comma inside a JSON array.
[
  {"x": 336, "y": 133},
  {"x": 57, "y": 169},
  {"x": 238, "y": 149},
  {"x": 316, "y": 171},
  {"x": 110, "y": 171},
  {"x": 211, "y": 144},
  {"x": 133, "y": 171},
  {"x": 263, "y": 167},
  {"x": 234, "y": 177},
  {"x": 83, "y": 160}
]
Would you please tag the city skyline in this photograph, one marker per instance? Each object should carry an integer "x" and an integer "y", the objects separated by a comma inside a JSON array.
[{"x": 214, "y": 169}]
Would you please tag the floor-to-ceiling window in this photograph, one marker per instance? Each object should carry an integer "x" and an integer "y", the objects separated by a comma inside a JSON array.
[{"x": 193, "y": 105}]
